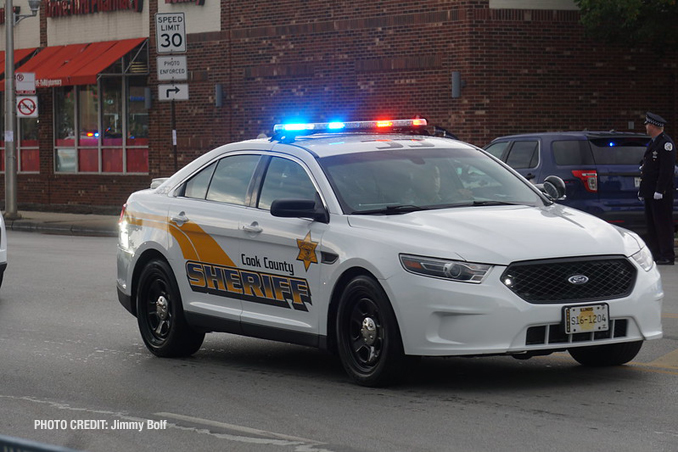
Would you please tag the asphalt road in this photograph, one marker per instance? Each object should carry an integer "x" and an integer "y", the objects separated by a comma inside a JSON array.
[{"x": 73, "y": 368}]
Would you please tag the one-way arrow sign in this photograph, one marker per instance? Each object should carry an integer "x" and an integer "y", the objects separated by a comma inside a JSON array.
[{"x": 173, "y": 92}]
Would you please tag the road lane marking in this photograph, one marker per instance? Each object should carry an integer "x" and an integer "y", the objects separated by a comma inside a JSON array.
[
  {"x": 666, "y": 364},
  {"x": 270, "y": 438},
  {"x": 669, "y": 315},
  {"x": 668, "y": 361}
]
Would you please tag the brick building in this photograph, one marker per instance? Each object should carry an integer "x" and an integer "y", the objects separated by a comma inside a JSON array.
[{"x": 102, "y": 132}]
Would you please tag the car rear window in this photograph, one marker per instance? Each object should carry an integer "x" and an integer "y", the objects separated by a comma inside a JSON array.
[
  {"x": 572, "y": 152},
  {"x": 618, "y": 151}
]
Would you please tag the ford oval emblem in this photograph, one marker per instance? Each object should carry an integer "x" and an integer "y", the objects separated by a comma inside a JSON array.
[{"x": 578, "y": 280}]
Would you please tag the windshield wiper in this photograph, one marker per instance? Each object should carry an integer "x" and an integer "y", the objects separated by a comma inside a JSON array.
[
  {"x": 495, "y": 203},
  {"x": 391, "y": 210}
]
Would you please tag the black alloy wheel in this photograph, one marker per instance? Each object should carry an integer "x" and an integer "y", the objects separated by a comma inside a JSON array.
[
  {"x": 368, "y": 338},
  {"x": 160, "y": 314}
]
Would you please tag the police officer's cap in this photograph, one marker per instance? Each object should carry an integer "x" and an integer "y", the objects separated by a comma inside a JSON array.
[{"x": 655, "y": 120}]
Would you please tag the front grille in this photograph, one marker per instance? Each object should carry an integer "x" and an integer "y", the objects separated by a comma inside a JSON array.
[
  {"x": 555, "y": 334},
  {"x": 571, "y": 280}
]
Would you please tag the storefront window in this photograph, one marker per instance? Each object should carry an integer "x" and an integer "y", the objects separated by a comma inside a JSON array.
[
  {"x": 112, "y": 124},
  {"x": 64, "y": 121},
  {"x": 64, "y": 129},
  {"x": 137, "y": 132},
  {"x": 2, "y": 135},
  {"x": 88, "y": 116},
  {"x": 29, "y": 146},
  {"x": 112, "y": 111},
  {"x": 113, "y": 133}
]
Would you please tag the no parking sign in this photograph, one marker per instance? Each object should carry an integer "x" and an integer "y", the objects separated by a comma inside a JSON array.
[{"x": 27, "y": 106}]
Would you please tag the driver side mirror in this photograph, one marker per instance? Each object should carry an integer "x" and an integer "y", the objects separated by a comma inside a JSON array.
[
  {"x": 300, "y": 208},
  {"x": 554, "y": 188}
]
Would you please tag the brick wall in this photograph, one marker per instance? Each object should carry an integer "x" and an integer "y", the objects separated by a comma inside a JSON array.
[{"x": 525, "y": 70}]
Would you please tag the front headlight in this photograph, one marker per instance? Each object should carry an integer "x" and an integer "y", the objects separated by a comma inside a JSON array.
[
  {"x": 644, "y": 259},
  {"x": 446, "y": 269}
]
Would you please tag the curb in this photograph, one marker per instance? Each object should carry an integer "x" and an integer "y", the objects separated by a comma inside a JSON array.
[{"x": 66, "y": 228}]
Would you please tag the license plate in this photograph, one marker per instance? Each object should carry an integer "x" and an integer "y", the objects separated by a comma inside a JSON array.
[
  {"x": 586, "y": 319},
  {"x": 636, "y": 182}
]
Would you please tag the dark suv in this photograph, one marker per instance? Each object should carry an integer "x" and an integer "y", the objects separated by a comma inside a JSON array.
[{"x": 600, "y": 169}]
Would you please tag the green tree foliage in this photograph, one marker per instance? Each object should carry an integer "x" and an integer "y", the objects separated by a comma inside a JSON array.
[{"x": 652, "y": 23}]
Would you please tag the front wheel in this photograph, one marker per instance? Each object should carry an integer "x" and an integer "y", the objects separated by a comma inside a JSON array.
[
  {"x": 368, "y": 338},
  {"x": 606, "y": 355},
  {"x": 160, "y": 314}
]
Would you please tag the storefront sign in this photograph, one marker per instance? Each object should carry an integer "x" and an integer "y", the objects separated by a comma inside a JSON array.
[
  {"x": 197, "y": 2},
  {"x": 60, "y": 8}
]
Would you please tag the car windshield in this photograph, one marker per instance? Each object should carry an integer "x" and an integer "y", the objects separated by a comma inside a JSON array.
[{"x": 401, "y": 181}]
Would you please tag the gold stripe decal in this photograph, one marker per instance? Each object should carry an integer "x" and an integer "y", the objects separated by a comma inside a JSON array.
[
  {"x": 194, "y": 242},
  {"x": 210, "y": 270}
]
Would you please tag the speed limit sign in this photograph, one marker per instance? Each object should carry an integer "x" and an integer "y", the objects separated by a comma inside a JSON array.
[{"x": 170, "y": 32}]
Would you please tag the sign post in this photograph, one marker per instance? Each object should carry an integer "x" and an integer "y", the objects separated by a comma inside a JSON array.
[{"x": 170, "y": 37}]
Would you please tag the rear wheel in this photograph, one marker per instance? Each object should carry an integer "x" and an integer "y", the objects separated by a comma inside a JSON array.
[
  {"x": 160, "y": 314},
  {"x": 606, "y": 355},
  {"x": 369, "y": 342}
]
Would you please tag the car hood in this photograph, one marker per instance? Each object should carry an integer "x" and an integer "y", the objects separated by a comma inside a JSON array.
[{"x": 501, "y": 234}]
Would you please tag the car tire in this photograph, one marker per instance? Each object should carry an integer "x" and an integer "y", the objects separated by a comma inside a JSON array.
[
  {"x": 160, "y": 314},
  {"x": 606, "y": 355},
  {"x": 368, "y": 339}
]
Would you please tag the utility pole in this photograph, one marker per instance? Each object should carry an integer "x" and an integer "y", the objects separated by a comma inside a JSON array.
[
  {"x": 11, "y": 19},
  {"x": 11, "y": 212}
]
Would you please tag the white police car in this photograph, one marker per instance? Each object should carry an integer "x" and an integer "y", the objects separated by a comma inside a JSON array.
[{"x": 383, "y": 243}]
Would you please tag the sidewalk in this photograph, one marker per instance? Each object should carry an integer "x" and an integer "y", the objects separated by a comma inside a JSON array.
[{"x": 65, "y": 223}]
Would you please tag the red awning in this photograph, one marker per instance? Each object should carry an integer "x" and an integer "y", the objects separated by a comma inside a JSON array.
[
  {"x": 76, "y": 64},
  {"x": 19, "y": 54}
]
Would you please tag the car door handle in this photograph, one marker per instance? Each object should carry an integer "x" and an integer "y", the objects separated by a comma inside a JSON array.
[
  {"x": 180, "y": 219},
  {"x": 254, "y": 228},
  {"x": 529, "y": 176}
]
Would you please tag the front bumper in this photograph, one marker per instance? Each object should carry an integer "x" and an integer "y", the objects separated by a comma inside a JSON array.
[{"x": 445, "y": 318}]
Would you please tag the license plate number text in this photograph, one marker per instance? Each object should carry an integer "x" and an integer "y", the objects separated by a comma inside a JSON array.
[{"x": 586, "y": 319}]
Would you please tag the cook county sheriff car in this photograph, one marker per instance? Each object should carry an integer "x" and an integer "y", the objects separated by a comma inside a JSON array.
[{"x": 383, "y": 243}]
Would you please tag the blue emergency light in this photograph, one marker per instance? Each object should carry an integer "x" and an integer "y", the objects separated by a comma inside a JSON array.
[{"x": 338, "y": 126}]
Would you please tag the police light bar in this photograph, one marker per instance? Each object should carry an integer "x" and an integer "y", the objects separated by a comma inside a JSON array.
[{"x": 322, "y": 127}]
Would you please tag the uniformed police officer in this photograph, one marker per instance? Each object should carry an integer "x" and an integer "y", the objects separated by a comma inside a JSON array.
[{"x": 657, "y": 190}]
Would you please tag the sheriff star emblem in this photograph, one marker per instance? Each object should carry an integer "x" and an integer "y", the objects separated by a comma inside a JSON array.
[{"x": 307, "y": 251}]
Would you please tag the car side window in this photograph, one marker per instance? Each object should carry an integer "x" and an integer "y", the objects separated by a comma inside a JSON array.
[
  {"x": 497, "y": 149},
  {"x": 523, "y": 154},
  {"x": 285, "y": 179},
  {"x": 573, "y": 152},
  {"x": 196, "y": 187},
  {"x": 231, "y": 179}
]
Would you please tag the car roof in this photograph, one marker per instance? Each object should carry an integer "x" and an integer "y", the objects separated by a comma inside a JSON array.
[
  {"x": 328, "y": 145},
  {"x": 322, "y": 145},
  {"x": 573, "y": 135}
]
